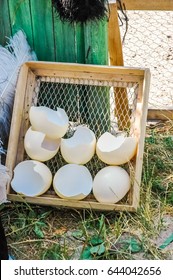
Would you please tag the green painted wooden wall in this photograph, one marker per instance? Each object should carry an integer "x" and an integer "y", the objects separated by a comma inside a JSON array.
[{"x": 51, "y": 39}]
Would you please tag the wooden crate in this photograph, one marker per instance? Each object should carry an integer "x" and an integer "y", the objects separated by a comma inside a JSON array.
[{"x": 32, "y": 79}]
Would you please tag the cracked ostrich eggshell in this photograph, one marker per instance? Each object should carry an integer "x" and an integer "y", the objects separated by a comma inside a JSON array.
[
  {"x": 31, "y": 178},
  {"x": 115, "y": 150},
  {"x": 40, "y": 147},
  {"x": 80, "y": 148},
  {"x": 73, "y": 181},
  {"x": 54, "y": 123},
  {"x": 111, "y": 184}
]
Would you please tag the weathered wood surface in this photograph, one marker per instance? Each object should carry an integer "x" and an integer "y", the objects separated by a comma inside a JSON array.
[
  {"x": 163, "y": 114},
  {"x": 42, "y": 28},
  {"x": 116, "y": 59},
  {"x": 158, "y": 5},
  {"x": 52, "y": 39},
  {"x": 20, "y": 18},
  {"x": 5, "y": 27}
]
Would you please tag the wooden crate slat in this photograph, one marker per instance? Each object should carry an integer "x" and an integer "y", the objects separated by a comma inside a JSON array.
[
  {"x": 71, "y": 67},
  {"x": 54, "y": 201},
  {"x": 140, "y": 124},
  {"x": 16, "y": 121}
]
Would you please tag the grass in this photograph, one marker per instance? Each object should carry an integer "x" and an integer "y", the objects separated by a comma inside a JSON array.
[{"x": 36, "y": 232}]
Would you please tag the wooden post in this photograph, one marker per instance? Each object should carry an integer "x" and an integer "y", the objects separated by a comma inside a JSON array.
[{"x": 116, "y": 58}]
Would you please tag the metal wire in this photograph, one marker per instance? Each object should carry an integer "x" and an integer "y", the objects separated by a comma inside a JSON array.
[
  {"x": 87, "y": 102},
  {"x": 149, "y": 43},
  {"x": 122, "y": 15}
]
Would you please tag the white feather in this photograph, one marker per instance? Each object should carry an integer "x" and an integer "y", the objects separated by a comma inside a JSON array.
[
  {"x": 16, "y": 52},
  {"x": 2, "y": 151},
  {"x": 5, "y": 177}
]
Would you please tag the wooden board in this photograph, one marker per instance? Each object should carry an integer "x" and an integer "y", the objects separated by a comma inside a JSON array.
[
  {"x": 23, "y": 100},
  {"x": 96, "y": 52},
  {"x": 164, "y": 114},
  {"x": 160, "y": 5},
  {"x": 20, "y": 17},
  {"x": 116, "y": 58},
  {"x": 54, "y": 201},
  {"x": 42, "y": 25},
  {"x": 5, "y": 27},
  {"x": 123, "y": 73},
  {"x": 96, "y": 46},
  {"x": 80, "y": 43},
  {"x": 64, "y": 34}
]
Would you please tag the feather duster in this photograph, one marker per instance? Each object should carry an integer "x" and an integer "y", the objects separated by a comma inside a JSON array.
[
  {"x": 16, "y": 52},
  {"x": 81, "y": 10}
]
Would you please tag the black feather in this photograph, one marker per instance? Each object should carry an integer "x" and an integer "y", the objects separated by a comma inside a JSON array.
[{"x": 81, "y": 10}]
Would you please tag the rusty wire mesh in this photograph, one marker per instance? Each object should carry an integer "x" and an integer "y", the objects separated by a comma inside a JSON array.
[
  {"x": 90, "y": 103},
  {"x": 149, "y": 43}
]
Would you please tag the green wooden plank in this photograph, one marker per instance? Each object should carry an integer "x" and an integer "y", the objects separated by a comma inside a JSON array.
[
  {"x": 64, "y": 41},
  {"x": 5, "y": 28},
  {"x": 65, "y": 52},
  {"x": 69, "y": 45},
  {"x": 96, "y": 52},
  {"x": 42, "y": 23},
  {"x": 79, "y": 43},
  {"x": 20, "y": 18},
  {"x": 69, "y": 41},
  {"x": 96, "y": 42}
]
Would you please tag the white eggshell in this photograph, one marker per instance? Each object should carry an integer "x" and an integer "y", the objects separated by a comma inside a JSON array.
[
  {"x": 40, "y": 147},
  {"x": 53, "y": 123},
  {"x": 115, "y": 150},
  {"x": 73, "y": 181},
  {"x": 31, "y": 178},
  {"x": 111, "y": 184},
  {"x": 80, "y": 148}
]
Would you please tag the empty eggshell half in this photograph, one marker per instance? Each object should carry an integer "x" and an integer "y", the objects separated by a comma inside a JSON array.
[
  {"x": 72, "y": 181},
  {"x": 115, "y": 150},
  {"x": 40, "y": 147},
  {"x": 31, "y": 178},
  {"x": 111, "y": 184},
  {"x": 53, "y": 123},
  {"x": 80, "y": 148}
]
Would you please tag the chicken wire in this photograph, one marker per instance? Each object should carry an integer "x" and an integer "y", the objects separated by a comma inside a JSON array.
[
  {"x": 149, "y": 43},
  {"x": 88, "y": 103}
]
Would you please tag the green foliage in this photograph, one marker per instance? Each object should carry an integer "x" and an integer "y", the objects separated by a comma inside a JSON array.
[
  {"x": 132, "y": 245},
  {"x": 38, "y": 229}
]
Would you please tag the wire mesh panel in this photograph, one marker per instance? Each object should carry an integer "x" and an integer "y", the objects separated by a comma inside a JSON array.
[
  {"x": 148, "y": 42},
  {"x": 89, "y": 103},
  {"x": 92, "y": 97}
]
